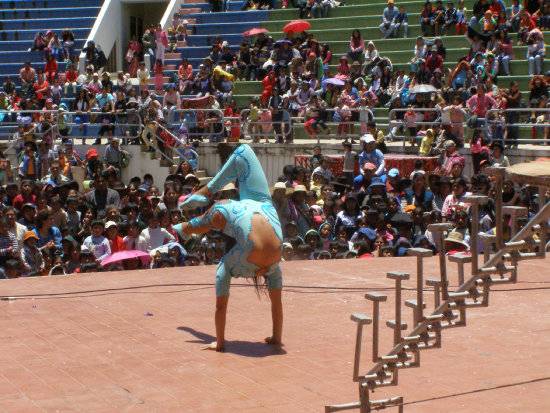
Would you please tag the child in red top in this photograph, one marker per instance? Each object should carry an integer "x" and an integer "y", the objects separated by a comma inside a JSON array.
[
  {"x": 51, "y": 69},
  {"x": 115, "y": 241},
  {"x": 70, "y": 79},
  {"x": 159, "y": 81},
  {"x": 268, "y": 83}
]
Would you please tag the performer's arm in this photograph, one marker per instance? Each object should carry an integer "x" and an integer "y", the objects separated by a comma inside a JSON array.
[{"x": 204, "y": 223}]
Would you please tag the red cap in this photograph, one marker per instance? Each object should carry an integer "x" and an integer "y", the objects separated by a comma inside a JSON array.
[
  {"x": 369, "y": 166},
  {"x": 91, "y": 153}
]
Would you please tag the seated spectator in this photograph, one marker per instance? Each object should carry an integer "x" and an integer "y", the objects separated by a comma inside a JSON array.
[
  {"x": 401, "y": 19},
  {"x": 535, "y": 52},
  {"x": 357, "y": 45},
  {"x": 387, "y": 26},
  {"x": 427, "y": 16}
]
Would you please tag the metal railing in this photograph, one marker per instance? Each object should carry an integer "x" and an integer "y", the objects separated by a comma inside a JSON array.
[
  {"x": 213, "y": 125},
  {"x": 494, "y": 119},
  {"x": 396, "y": 124},
  {"x": 46, "y": 124},
  {"x": 199, "y": 123},
  {"x": 256, "y": 129}
]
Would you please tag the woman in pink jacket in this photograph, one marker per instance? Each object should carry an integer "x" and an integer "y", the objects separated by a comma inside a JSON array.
[{"x": 161, "y": 41}]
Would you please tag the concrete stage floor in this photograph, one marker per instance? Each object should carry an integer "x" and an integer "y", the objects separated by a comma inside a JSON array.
[{"x": 130, "y": 342}]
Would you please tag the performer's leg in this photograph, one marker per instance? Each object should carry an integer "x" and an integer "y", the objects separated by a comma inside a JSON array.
[
  {"x": 223, "y": 281},
  {"x": 244, "y": 166},
  {"x": 275, "y": 285}
]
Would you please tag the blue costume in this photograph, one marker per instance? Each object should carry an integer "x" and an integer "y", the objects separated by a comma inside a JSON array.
[{"x": 255, "y": 198}]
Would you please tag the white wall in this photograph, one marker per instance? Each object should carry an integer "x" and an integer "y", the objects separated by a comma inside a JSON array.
[
  {"x": 112, "y": 25},
  {"x": 140, "y": 163}
]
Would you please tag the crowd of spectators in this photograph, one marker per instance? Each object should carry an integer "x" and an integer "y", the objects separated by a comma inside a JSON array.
[
  {"x": 383, "y": 213},
  {"x": 51, "y": 224}
]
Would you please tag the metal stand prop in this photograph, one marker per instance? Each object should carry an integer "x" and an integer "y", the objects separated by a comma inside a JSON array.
[{"x": 450, "y": 307}]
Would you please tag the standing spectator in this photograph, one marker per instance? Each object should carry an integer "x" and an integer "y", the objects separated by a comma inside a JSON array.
[
  {"x": 132, "y": 55},
  {"x": 31, "y": 258},
  {"x": 479, "y": 104},
  {"x": 154, "y": 236},
  {"x": 101, "y": 196},
  {"x": 96, "y": 243},
  {"x": 49, "y": 237},
  {"x": 8, "y": 246},
  {"x": 387, "y": 26},
  {"x": 149, "y": 42},
  {"x": 143, "y": 75},
  {"x": 370, "y": 155},
  {"x": 159, "y": 79}
]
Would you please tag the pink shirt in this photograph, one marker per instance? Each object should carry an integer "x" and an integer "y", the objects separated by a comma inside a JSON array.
[{"x": 480, "y": 104}]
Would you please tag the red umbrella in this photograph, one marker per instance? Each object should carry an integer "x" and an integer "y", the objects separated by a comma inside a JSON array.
[
  {"x": 296, "y": 26},
  {"x": 254, "y": 31}
]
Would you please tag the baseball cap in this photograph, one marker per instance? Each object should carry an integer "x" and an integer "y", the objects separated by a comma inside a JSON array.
[
  {"x": 393, "y": 173},
  {"x": 367, "y": 138},
  {"x": 110, "y": 224}
]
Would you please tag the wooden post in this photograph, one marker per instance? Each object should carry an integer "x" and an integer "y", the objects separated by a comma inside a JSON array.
[{"x": 376, "y": 298}]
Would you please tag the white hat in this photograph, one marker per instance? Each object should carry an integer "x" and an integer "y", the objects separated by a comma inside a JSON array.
[
  {"x": 367, "y": 138},
  {"x": 110, "y": 224},
  {"x": 229, "y": 186},
  {"x": 225, "y": 43},
  {"x": 281, "y": 185}
]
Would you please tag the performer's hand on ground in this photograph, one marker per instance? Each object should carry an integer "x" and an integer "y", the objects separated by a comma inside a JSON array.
[{"x": 213, "y": 346}]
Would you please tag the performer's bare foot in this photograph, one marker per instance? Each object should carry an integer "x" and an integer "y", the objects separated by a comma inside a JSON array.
[
  {"x": 213, "y": 346},
  {"x": 272, "y": 341}
]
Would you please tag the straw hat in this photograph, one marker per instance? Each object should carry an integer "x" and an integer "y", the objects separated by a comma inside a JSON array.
[
  {"x": 457, "y": 238},
  {"x": 281, "y": 185},
  {"x": 300, "y": 188}
]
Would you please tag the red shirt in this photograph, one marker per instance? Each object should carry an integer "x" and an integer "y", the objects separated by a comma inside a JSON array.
[
  {"x": 71, "y": 75},
  {"x": 116, "y": 244},
  {"x": 19, "y": 201},
  {"x": 44, "y": 85}
]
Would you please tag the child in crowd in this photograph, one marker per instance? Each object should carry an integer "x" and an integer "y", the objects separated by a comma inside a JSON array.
[{"x": 96, "y": 243}]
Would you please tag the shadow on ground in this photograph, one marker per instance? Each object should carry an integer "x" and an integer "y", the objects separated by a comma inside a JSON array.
[{"x": 241, "y": 348}]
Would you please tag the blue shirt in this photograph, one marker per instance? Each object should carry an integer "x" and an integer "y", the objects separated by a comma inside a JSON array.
[
  {"x": 376, "y": 157},
  {"x": 389, "y": 14},
  {"x": 101, "y": 101},
  {"x": 401, "y": 18},
  {"x": 53, "y": 235}
]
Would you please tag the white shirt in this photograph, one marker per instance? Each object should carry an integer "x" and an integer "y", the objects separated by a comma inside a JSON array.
[{"x": 156, "y": 237}]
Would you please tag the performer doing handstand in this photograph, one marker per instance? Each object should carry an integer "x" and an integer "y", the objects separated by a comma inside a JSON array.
[{"x": 253, "y": 223}]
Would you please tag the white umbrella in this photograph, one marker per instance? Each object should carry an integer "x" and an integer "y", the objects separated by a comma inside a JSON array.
[{"x": 423, "y": 89}]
